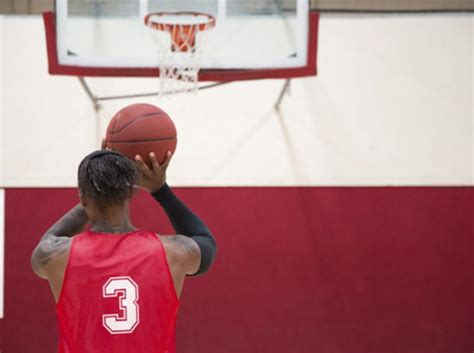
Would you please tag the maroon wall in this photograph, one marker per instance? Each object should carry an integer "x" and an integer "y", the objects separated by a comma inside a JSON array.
[{"x": 299, "y": 270}]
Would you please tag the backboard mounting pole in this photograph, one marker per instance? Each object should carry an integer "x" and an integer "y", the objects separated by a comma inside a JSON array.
[
  {"x": 284, "y": 90},
  {"x": 139, "y": 95},
  {"x": 94, "y": 99}
]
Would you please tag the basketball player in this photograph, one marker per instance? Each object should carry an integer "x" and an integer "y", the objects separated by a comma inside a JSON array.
[{"x": 117, "y": 288}]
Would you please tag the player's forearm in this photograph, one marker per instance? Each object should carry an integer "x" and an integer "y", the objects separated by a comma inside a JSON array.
[
  {"x": 186, "y": 222},
  {"x": 72, "y": 223}
]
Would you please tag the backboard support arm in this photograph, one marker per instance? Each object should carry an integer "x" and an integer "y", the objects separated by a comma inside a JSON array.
[
  {"x": 285, "y": 90},
  {"x": 96, "y": 99}
]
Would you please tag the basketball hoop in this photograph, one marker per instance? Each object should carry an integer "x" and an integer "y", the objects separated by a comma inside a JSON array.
[{"x": 180, "y": 38}]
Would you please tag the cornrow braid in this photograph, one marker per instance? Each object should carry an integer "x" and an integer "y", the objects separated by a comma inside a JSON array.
[{"x": 107, "y": 177}]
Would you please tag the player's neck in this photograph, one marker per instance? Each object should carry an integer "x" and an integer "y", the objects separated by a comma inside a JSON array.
[{"x": 112, "y": 220}]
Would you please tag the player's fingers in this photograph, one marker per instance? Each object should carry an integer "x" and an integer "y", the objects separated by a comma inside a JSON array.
[
  {"x": 142, "y": 166},
  {"x": 167, "y": 160},
  {"x": 103, "y": 145},
  {"x": 154, "y": 162}
]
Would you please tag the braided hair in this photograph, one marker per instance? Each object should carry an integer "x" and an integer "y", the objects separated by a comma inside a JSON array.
[{"x": 107, "y": 177}]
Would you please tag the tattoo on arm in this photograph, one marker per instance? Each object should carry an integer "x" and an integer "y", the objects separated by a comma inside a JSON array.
[
  {"x": 185, "y": 243},
  {"x": 57, "y": 240},
  {"x": 190, "y": 250},
  {"x": 48, "y": 249},
  {"x": 70, "y": 224}
]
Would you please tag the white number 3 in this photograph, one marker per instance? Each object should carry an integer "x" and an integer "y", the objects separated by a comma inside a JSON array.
[{"x": 128, "y": 320}]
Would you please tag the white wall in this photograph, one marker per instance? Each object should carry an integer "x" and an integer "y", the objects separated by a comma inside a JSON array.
[{"x": 392, "y": 105}]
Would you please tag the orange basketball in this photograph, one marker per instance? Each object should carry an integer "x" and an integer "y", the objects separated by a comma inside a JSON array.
[{"x": 141, "y": 129}]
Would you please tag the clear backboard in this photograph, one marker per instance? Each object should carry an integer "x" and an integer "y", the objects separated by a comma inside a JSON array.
[{"x": 250, "y": 39}]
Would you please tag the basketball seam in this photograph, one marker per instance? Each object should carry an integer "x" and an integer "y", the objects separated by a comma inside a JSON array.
[
  {"x": 133, "y": 121},
  {"x": 146, "y": 140}
]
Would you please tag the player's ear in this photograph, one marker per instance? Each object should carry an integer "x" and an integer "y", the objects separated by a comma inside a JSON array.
[{"x": 83, "y": 199}]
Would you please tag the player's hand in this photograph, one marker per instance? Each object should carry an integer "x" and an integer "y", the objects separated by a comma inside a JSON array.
[{"x": 152, "y": 179}]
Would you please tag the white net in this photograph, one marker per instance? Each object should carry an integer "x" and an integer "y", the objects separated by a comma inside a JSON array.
[{"x": 180, "y": 40}]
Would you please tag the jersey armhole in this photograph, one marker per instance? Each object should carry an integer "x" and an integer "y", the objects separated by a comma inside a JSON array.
[
  {"x": 168, "y": 270},
  {"x": 66, "y": 271}
]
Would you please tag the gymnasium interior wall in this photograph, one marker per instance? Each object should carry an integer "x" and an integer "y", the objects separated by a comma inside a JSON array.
[
  {"x": 344, "y": 223},
  {"x": 392, "y": 105},
  {"x": 312, "y": 270}
]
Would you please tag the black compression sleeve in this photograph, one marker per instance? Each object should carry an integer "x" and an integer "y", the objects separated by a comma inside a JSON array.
[{"x": 187, "y": 223}]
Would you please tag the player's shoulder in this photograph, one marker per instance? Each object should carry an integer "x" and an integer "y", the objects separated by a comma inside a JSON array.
[
  {"x": 178, "y": 243},
  {"x": 50, "y": 253},
  {"x": 182, "y": 250}
]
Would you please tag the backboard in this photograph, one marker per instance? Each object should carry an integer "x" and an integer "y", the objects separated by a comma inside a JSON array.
[{"x": 251, "y": 39}]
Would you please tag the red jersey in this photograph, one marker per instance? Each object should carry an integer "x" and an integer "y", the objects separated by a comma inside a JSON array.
[{"x": 117, "y": 296}]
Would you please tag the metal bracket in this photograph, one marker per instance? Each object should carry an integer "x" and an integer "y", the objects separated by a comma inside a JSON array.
[
  {"x": 95, "y": 99},
  {"x": 284, "y": 90}
]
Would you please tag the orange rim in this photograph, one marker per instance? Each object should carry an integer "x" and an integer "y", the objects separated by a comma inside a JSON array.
[{"x": 186, "y": 26}]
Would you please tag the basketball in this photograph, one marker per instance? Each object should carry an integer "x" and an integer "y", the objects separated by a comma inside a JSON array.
[{"x": 141, "y": 129}]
